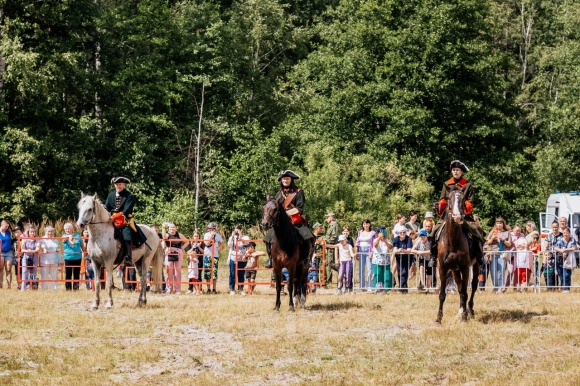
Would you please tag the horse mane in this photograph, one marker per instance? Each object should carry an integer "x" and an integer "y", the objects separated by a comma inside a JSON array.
[{"x": 285, "y": 231}]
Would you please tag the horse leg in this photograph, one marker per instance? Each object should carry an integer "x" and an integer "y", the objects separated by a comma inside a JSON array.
[
  {"x": 140, "y": 264},
  {"x": 463, "y": 278},
  {"x": 442, "y": 291},
  {"x": 291, "y": 275},
  {"x": 474, "y": 284},
  {"x": 456, "y": 275},
  {"x": 110, "y": 274},
  {"x": 97, "y": 283},
  {"x": 278, "y": 275},
  {"x": 297, "y": 285}
]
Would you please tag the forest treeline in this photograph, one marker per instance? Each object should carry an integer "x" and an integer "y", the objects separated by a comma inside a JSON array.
[{"x": 367, "y": 100}]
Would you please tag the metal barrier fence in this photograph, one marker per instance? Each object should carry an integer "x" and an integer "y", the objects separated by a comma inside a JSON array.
[
  {"x": 548, "y": 270},
  {"x": 256, "y": 276},
  {"x": 52, "y": 271}
]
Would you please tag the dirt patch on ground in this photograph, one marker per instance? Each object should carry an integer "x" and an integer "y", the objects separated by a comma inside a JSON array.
[{"x": 184, "y": 351}]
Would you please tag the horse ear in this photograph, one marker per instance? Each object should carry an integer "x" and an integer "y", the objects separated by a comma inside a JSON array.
[
  {"x": 83, "y": 195},
  {"x": 268, "y": 197},
  {"x": 96, "y": 197}
]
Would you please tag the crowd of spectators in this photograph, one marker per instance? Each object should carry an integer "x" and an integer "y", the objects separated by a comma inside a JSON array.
[{"x": 385, "y": 258}]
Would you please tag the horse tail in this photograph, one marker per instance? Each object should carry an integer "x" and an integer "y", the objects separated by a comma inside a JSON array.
[{"x": 157, "y": 267}]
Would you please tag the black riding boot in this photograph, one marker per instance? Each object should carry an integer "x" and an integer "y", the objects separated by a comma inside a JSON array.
[
  {"x": 478, "y": 252},
  {"x": 433, "y": 257},
  {"x": 128, "y": 253},
  {"x": 269, "y": 251}
]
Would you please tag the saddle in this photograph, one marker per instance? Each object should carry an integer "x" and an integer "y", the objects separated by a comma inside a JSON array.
[{"x": 466, "y": 230}]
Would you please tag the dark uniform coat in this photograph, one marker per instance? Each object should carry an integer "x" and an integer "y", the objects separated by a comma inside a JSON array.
[
  {"x": 297, "y": 202},
  {"x": 126, "y": 206}
]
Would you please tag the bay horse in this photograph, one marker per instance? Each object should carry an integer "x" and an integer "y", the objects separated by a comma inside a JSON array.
[
  {"x": 286, "y": 252},
  {"x": 105, "y": 251},
  {"x": 453, "y": 255}
]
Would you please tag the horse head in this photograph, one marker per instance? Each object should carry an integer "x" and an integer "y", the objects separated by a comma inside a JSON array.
[
  {"x": 86, "y": 209},
  {"x": 270, "y": 214},
  {"x": 456, "y": 205}
]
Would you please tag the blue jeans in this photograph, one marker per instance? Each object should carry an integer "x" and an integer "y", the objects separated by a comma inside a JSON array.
[
  {"x": 567, "y": 279},
  {"x": 89, "y": 275},
  {"x": 312, "y": 276},
  {"x": 497, "y": 267},
  {"x": 241, "y": 266},
  {"x": 365, "y": 267},
  {"x": 560, "y": 279}
]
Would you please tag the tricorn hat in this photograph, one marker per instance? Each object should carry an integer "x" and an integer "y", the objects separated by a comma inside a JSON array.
[
  {"x": 123, "y": 180},
  {"x": 288, "y": 173},
  {"x": 458, "y": 164}
]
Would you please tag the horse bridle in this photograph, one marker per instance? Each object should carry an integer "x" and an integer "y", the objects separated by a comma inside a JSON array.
[
  {"x": 275, "y": 220},
  {"x": 94, "y": 223},
  {"x": 456, "y": 193}
]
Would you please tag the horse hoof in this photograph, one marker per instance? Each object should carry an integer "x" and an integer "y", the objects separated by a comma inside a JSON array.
[
  {"x": 438, "y": 323},
  {"x": 277, "y": 308},
  {"x": 108, "y": 306},
  {"x": 141, "y": 303},
  {"x": 94, "y": 307}
]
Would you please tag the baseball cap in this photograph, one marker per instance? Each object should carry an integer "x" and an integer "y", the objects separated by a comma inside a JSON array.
[
  {"x": 429, "y": 214},
  {"x": 423, "y": 232},
  {"x": 341, "y": 237}
]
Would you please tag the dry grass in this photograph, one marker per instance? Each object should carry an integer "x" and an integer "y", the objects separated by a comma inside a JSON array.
[{"x": 52, "y": 338}]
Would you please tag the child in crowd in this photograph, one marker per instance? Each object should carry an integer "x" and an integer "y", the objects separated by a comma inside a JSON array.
[
  {"x": 251, "y": 258},
  {"x": 381, "y": 263},
  {"x": 523, "y": 263},
  {"x": 422, "y": 249},
  {"x": 549, "y": 270},
  {"x": 535, "y": 247},
  {"x": 192, "y": 271},
  {"x": 345, "y": 256}
]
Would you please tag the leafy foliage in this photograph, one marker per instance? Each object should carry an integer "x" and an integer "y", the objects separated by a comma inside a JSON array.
[{"x": 368, "y": 100}]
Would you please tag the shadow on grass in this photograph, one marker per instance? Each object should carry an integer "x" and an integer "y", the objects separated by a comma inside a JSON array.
[
  {"x": 503, "y": 316},
  {"x": 334, "y": 306}
]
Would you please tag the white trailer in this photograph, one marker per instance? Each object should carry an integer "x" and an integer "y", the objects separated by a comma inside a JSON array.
[{"x": 561, "y": 205}]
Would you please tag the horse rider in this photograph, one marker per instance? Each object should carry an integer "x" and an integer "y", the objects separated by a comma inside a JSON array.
[
  {"x": 292, "y": 199},
  {"x": 473, "y": 232},
  {"x": 120, "y": 203}
]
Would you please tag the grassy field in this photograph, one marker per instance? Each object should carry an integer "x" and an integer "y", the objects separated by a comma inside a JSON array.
[{"x": 521, "y": 338}]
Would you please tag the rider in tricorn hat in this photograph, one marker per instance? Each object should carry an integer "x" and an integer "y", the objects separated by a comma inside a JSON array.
[
  {"x": 292, "y": 198},
  {"x": 120, "y": 204},
  {"x": 457, "y": 181}
]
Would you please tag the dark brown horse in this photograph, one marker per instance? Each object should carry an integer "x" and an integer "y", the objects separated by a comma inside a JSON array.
[
  {"x": 453, "y": 255},
  {"x": 286, "y": 253}
]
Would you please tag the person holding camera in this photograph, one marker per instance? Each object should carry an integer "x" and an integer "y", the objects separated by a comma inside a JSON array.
[
  {"x": 237, "y": 251},
  {"x": 212, "y": 241}
]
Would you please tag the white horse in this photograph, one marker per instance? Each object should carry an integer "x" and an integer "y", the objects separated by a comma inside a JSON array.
[{"x": 104, "y": 249}]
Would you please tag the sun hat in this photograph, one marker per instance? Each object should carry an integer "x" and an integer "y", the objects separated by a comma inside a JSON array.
[
  {"x": 429, "y": 215},
  {"x": 341, "y": 238}
]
